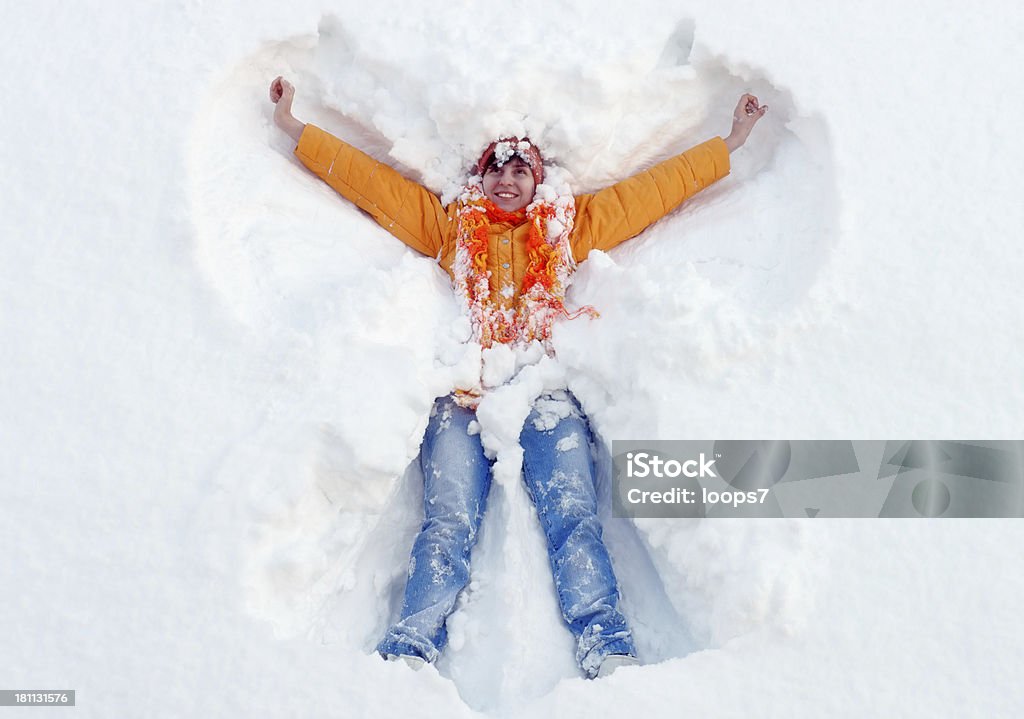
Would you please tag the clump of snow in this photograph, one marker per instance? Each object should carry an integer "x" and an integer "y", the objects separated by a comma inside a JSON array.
[
  {"x": 550, "y": 411},
  {"x": 505, "y": 151},
  {"x": 499, "y": 364},
  {"x": 567, "y": 443}
]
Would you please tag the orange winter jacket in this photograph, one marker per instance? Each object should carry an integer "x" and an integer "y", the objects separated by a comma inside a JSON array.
[{"x": 414, "y": 214}]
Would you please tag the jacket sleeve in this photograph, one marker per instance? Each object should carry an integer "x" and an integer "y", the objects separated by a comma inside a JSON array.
[
  {"x": 406, "y": 209},
  {"x": 624, "y": 210}
]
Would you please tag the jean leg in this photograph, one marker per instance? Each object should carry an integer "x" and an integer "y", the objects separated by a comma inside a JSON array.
[
  {"x": 456, "y": 480},
  {"x": 559, "y": 471}
]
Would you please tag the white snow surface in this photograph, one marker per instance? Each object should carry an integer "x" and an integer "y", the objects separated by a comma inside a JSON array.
[{"x": 216, "y": 372}]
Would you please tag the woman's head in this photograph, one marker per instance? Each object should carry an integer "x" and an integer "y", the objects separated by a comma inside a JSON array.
[{"x": 511, "y": 169}]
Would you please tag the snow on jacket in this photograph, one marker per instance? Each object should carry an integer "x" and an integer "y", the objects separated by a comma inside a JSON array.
[{"x": 414, "y": 214}]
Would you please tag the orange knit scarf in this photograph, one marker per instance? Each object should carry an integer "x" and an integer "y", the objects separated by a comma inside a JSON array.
[{"x": 550, "y": 265}]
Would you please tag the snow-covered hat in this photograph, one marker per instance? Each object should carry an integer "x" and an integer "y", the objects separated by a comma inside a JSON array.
[{"x": 506, "y": 148}]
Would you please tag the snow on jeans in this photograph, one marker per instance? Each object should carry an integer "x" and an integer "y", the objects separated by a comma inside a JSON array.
[{"x": 559, "y": 471}]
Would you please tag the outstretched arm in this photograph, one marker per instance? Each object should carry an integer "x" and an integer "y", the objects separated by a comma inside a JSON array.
[
  {"x": 406, "y": 209},
  {"x": 624, "y": 210}
]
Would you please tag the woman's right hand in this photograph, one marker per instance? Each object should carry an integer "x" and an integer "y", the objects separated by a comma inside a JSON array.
[{"x": 744, "y": 117}]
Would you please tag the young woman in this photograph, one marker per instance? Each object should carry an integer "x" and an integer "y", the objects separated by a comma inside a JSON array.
[{"x": 510, "y": 251}]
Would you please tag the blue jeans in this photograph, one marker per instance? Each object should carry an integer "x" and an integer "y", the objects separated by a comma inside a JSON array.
[{"x": 559, "y": 471}]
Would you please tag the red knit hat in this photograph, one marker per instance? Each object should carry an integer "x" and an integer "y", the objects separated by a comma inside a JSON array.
[{"x": 508, "y": 147}]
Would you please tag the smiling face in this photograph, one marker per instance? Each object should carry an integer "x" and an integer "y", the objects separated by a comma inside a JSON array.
[{"x": 510, "y": 186}]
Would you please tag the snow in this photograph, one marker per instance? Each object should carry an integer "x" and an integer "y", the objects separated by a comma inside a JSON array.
[
  {"x": 567, "y": 443},
  {"x": 216, "y": 373}
]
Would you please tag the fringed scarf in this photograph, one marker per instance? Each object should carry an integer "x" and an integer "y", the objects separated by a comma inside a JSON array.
[{"x": 542, "y": 295}]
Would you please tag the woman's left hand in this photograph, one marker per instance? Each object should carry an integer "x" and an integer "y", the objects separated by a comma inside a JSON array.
[{"x": 744, "y": 117}]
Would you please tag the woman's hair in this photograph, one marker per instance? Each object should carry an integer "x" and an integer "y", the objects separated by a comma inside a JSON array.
[{"x": 506, "y": 149}]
